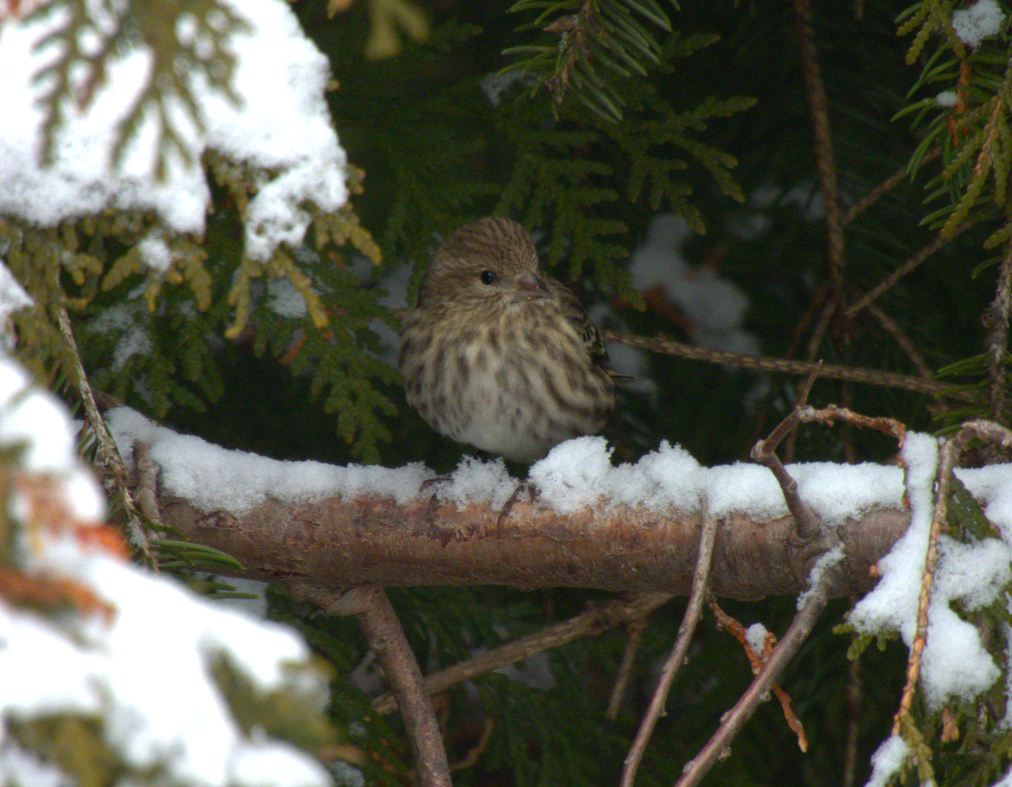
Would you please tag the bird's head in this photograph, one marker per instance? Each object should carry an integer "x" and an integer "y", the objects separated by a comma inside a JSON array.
[{"x": 492, "y": 261}]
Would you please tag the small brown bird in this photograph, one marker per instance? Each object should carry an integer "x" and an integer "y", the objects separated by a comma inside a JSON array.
[{"x": 499, "y": 355}]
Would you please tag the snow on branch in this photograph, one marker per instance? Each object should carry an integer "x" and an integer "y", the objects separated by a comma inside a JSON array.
[
  {"x": 103, "y": 114},
  {"x": 631, "y": 527}
]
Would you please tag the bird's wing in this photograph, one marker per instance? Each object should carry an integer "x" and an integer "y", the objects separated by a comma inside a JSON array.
[{"x": 576, "y": 315}]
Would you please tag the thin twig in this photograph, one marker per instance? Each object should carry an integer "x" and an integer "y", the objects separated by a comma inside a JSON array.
[
  {"x": 784, "y": 366},
  {"x": 814, "y": 600},
  {"x": 378, "y": 621},
  {"x": 818, "y": 107},
  {"x": 883, "y": 188},
  {"x": 593, "y": 621},
  {"x": 385, "y": 636},
  {"x": 634, "y": 637},
  {"x": 854, "y": 715},
  {"x": 814, "y": 342},
  {"x": 909, "y": 265},
  {"x": 108, "y": 454},
  {"x": 832, "y": 413},
  {"x": 756, "y": 660},
  {"x": 764, "y": 452},
  {"x": 781, "y": 655},
  {"x": 674, "y": 662},
  {"x": 996, "y": 322},
  {"x": 903, "y": 342},
  {"x": 476, "y": 751}
]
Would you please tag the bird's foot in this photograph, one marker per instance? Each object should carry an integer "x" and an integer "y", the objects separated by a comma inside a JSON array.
[
  {"x": 525, "y": 487},
  {"x": 430, "y": 482}
]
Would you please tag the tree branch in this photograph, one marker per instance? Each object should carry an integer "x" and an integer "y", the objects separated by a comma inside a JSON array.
[
  {"x": 378, "y": 621},
  {"x": 742, "y": 711},
  {"x": 335, "y": 543},
  {"x": 832, "y": 371},
  {"x": 678, "y": 652},
  {"x": 593, "y": 621},
  {"x": 385, "y": 636}
]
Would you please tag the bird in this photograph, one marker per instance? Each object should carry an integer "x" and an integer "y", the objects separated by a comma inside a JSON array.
[{"x": 499, "y": 355}]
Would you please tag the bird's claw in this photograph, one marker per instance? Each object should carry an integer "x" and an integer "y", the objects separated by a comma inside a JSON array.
[{"x": 526, "y": 486}]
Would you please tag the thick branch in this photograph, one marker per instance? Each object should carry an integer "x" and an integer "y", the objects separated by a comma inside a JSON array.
[
  {"x": 333, "y": 544},
  {"x": 386, "y": 637}
]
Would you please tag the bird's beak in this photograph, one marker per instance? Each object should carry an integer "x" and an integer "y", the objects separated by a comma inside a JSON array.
[{"x": 530, "y": 287}]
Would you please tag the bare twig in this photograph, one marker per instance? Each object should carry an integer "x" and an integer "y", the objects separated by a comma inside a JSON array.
[
  {"x": 635, "y": 631},
  {"x": 678, "y": 651},
  {"x": 385, "y": 636},
  {"x": 854, "y": 716},
  {"x": 814, "y": 343},
  {"x": 822, "y": 584},
  {"x": 883, "y": 188},
  {"x": 771, "y": 671},
  {"x": 832, "y": 413},
  {"x": 783, "y": 365},
  {"x": 108, "y": 453},
  {"x": 593, "y": 621},
  {"x": 383, "y": 632},
  {"x": 756, "y": 660},
  {"x": 908, "y": 266},
  {"x": 475, "y": 752},
  {"x": 764, "y": 452},
  {"x": 903, "y": 341}
]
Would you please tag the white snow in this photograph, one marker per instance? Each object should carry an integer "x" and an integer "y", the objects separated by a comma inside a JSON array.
[
  {"x": 714, "y": 306},
  {"x": 284, "y": 300},
  {"x": 822, "y": 565},
  {"x": 36, "y": 421},
  {"x": 279, "y": 75},
  {"x": 955, "y": 662},
  {"x": 143, "y": 665},
  {"x": 213, "y": 478},
  {"x": 887, "y": 760},
  {"x": 12, "y": 295},
  {"x": 126, "y": 320},
  {"x": 972, "y": 25},
  {"x": 477, "y": 482},
  {"x": 892, "y": 605},
  {"x": 947, "y": 98},
  {"x": 19, "y": 767},
  {"x": 755, "y": 636},
  {"x": 146, "y": 669},
  {"x": 155, "y": 252},
  {"x": 578, "y": 474}
]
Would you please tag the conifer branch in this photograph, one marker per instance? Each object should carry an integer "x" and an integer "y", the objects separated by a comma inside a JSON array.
[
  {"x": 818, "y": 106},
  {"x": 783, "y": 365},
  {"x": 948, "y": 458},
  {"x": 108, "y": 454},
  {"x": 996, "y": 322}
]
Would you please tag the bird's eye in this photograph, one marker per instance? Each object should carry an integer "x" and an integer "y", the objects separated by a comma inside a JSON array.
[{"x": 488, "y": 277}]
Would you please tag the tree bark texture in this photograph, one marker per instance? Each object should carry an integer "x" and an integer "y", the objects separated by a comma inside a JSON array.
[{"x": 335, "y": 543}]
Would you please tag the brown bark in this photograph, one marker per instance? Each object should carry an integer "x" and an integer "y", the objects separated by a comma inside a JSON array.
[{"x": 334, "y": 543}]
